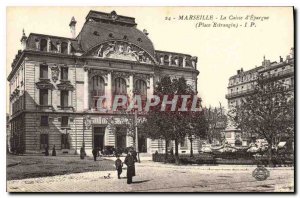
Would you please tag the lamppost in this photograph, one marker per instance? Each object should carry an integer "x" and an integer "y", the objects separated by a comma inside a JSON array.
[
  {"x": 191, "y": 138},
  {"x": 86, "y": 125},
  {"x": 136, "y": 132}
]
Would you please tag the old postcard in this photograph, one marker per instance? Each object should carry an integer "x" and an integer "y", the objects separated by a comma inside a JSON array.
[{"x": 150, "y": 99}]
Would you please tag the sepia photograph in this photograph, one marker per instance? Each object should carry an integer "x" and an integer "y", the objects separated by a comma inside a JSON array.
[{"x": 150, "y": 99}]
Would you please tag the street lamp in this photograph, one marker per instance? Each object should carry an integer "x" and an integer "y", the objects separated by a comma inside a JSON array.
[
  {"x": 86, "y": 125},
  {"x": 136, "y": 132},
  {"x": 191, "y": 138}
]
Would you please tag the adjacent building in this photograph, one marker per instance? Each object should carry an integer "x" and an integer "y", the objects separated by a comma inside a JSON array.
[
  {"x": 55, "y": 82},
  {"x": 242, "y": 84}
]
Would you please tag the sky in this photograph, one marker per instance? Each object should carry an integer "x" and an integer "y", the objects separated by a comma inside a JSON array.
[{"x": 221, "y": 51}]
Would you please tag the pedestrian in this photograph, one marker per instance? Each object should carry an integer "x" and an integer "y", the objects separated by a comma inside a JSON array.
[
  {"x": 119, "y": 165},
  {"x": 129, "y": 161},
  {"x": 172, "y": 151},
  {"x": 95, "y": 152},
  {"x": 134, "y": 155},
  {"x": 47, "y": 150},
  {"x": 53, "y": 151},
  {"x": 82, "y": 153}
]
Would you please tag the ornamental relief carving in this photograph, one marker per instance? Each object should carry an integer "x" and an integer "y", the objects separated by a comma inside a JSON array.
[
  {"x": 145, "y": 77},
  {"x": 124, "y": 75},
  {"x": 65, "y": 85},
  {"x": 44, "y": 84},
  {"x": 54, "y": 72},
  {"x": 95, "y": 72},
  {"x": 122, "y": 50}
]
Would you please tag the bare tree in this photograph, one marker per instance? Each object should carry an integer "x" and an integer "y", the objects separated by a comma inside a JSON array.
[
  {"x": 268, "y": 113},
  {"x": 217, "y": 121}
]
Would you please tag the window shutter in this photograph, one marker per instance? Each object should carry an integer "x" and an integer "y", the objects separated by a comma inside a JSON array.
[
  {"x": 69, "y": 98},
  {"x": 49, "y": 97},
  {"x": 58, "y": 98}
]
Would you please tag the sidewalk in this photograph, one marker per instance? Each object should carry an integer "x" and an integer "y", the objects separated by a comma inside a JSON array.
[{"x": 153, "y": 177}]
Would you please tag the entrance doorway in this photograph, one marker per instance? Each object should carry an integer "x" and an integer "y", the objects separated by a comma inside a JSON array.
[
  {"x": 98, "y": 137},
  {"x": 142, "y": 144},
  {"x": 121, "y": 137}
]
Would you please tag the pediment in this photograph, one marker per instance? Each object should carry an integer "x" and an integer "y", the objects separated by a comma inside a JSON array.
[{"x": 121, "y": 50}]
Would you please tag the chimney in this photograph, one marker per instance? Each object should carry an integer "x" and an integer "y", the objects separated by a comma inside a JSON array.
[
  {"x": 266, "y": 63},
  {"x": 23, "y": 40},
  {"x": 238, "y": 71},
  {"x": 73, "y": 27},
  {"x": 145, "y": 32},
  {"x": 292, "y": 53},
  {"x": 280, "y": 59}
]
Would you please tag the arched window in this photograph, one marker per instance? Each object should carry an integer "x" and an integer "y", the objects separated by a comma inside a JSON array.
[
  {"x": 120, "y": 86},
  {"x": 180, "y": 61},
  {"x": 64, "y": 47},
  {"x": 166, "y": 59},
  {"x": 43, "y": 45},
  {"x": 141, "y": 87},
  {"x": 97, "y": 86},
  {"x": 98, "y": 89}
]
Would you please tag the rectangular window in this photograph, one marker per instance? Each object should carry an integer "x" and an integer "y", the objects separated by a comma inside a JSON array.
[
  {"x": 64, "y": 73},
  {"x": 64, "y": 98},
  {"x": 44, "y": 71},
  {"x": 64, "y": 121},
  {"x": 43, "y": 96},
  {"x": 44, "y": 141},
  {"x": 65, "y": 141},
  {"x": 44, "y": 121}
]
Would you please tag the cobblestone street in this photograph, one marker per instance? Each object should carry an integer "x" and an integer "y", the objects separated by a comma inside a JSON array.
[{"x": 152, "y": 177}]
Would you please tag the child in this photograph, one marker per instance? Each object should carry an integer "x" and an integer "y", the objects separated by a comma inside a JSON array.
[{"x": 119, "y": 165}]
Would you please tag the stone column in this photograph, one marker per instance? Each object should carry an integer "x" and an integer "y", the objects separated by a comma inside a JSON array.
[
  {"x": 131, "y": 86},
  {"x": 69, "y": 47},
  {"x": 108, "y": 91},
  {"x": 58, "y": 47},
  {"x": 162, "y": 60},
  {"x": 48, "y": 45},
  {"x": 170, "y": 60},
  {"x": 184, "y": 61},
  {"x": 86, "y": 90},
  {"x": 177, "y": 61},
  {"x": 151, "y": 87}
]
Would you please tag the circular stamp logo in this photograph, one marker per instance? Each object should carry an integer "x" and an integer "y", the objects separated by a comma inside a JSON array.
[{"x": 261, "y": 173}]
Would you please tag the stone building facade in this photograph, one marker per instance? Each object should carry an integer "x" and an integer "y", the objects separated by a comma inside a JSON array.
[
  {"x": 55, "y": 81},
  {"x": 242, "y": 84}
]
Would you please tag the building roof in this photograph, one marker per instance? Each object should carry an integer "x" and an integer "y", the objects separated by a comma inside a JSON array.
[
  {"x": 54, "y": 39},
  {"x": 102, "y": 28},
  {"x": 93, "y": 33},
  {"x": 242, "y": 73}
]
